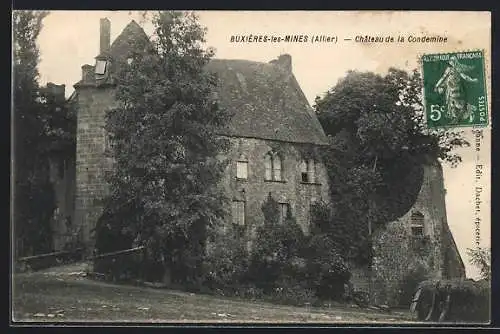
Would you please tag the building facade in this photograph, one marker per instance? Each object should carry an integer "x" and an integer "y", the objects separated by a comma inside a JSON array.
[{"x": 274, "y": 135}]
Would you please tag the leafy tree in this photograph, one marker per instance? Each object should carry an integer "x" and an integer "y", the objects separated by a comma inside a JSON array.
[
  {"x": 379, "y": 142},
  {"x": 350, "y": 241},
  {"x": 164, "y": 191},
  {"x": 481, "y": 258},
  {"x": 34, "y": 197}
]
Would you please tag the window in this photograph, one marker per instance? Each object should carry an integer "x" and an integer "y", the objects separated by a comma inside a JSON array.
[
  {"x": 242, "y": 169},
  {"x": 238, "y": 211},
  {"x": 277, "y": 168},
  {"x": 100, "y": 67},
  {"x": 308, "y": 171},
  {"x": 311, "y": 169},
  {"x": 417, "y": 224},
  {"x": 269, "y": 167},
  {"x": 312, "y": 206},
  {"x": 284, "y": 212},
  {"x": 303, "y": 171},
  {"x": 273, "y": 167}
]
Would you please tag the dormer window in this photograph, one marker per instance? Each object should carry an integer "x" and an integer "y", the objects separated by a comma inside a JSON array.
[{"x": 100, "y": 67}]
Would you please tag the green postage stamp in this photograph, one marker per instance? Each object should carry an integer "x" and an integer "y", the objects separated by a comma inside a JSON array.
[{"x": 454, "y": 89}]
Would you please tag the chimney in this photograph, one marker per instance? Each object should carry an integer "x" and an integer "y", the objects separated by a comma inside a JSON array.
[
  {"x": 284, "y": 61},
  {"x": 105, "y": 36},
  {"x": 88, "y": 73},
  {"x": 57, "y": 91}
]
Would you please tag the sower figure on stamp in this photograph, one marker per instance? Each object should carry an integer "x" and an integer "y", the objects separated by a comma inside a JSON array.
[{"x": 452, "y": 84}]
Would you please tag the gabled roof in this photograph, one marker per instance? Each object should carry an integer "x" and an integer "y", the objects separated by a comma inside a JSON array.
[
  {"x": 131, "y": 37},
  {"x": 267, "y": 102}
]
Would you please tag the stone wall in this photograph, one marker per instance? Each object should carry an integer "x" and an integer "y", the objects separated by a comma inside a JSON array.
[
  {"x": 401, "y": 258},
  {"x": 62, "y": 176},
  {"x": 255, "y": 189},
  {"x": 453, "y": 266},
  {"x": 91, "y": 163}
]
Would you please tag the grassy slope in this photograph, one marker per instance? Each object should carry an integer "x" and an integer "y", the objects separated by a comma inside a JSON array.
[{"x": 64, "y": 295}]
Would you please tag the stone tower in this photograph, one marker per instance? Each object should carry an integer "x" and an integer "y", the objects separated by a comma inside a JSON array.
[{"x": 94, "y": 95}]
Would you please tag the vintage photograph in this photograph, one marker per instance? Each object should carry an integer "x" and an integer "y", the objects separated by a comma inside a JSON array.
[{"x": 251, "y": 167}]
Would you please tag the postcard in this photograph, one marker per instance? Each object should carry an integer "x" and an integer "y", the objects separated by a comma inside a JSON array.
[{"x": 251, "y": 167}]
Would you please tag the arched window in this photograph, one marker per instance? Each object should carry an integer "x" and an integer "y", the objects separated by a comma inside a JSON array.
[
  {"x": 308, "y": 171},
  {"x": 273, "y": 165},
  {"x": 284, "y": 212},
  {"x": 417, "y": 224}
]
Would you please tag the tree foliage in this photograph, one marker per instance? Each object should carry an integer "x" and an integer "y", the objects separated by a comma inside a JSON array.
[
  {"x": 33, "y": 139},
  {"x": 379, "y": 143},
  {"x": 350, "y": 241},
  {"x": 167, "y": 165},
  {"x": 481, "y": 258},
  {"x": 385, "y": 115}
]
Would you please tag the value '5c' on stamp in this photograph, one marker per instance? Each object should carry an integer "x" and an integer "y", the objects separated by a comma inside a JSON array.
[{"x": 454, "y": 89}]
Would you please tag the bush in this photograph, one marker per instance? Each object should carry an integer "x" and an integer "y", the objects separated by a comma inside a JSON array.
[
  {"x": 121, "y": 266},
  {"x": 327, "y": 271},
  {"x": 110, "y": 238},
  {"x": 470, "y": 301},
  {"x": 226, "y": 262},
  {"x": 276, "y": 257}
]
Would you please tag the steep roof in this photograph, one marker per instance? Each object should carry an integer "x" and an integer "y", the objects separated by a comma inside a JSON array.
[
  {"x": 266, "y": 101},
  {"x": 132, "y": 36},
  {"x": 265, "y": 98}
]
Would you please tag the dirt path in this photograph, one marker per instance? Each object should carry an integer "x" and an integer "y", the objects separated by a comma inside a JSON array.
[{"x": 64, "y": 294}]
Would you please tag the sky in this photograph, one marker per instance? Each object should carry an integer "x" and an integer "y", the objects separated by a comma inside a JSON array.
[{"x": 70, "y": 39}]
